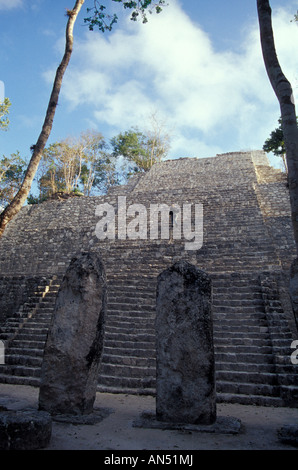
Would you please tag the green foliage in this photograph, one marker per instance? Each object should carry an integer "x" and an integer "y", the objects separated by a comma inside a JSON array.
[
  {"x": 36, "y": 199},
  {"x": 81, "y": 166},
  {"x": 4, "y": 111},
  {"x": 12, "y": 172},
  {"x": 105, "y": 22},
  {"x": 141, "y": 150},
  {"x": 132, "y": 146},
  {"x": 275, "y": 143}
]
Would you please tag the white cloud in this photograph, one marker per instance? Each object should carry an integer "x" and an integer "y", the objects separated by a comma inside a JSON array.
[
  {"x": 10, "y": 4},
  {"x": 170, "y": 65}
]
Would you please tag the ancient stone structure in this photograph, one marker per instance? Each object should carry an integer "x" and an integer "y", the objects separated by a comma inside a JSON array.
[
  {"x": 24, "y": 430},
  {"x": 185, "y": 380},
  {"x": 247, "y": 251},
  {"x": 74, "y": 344}
]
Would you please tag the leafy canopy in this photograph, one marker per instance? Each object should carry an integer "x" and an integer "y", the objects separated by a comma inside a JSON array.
[
  {"x": 4, "y": 110},
  {"x": 105, "y": 22},
  {"x": 276, "y": 143},
  {"x": 12, "y": 172},
  {"x": 139, "y": 149}
]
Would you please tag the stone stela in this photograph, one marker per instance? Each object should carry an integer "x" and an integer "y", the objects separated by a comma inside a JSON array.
[
  {"x": 74, "y": 345},
  {"x": 185, "y": 377}
]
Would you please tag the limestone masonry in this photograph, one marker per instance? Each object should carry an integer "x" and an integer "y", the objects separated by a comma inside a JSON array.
[{"x": 247, "y": 251}]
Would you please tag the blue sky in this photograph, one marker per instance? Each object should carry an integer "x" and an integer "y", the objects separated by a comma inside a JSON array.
[{"x": 198, "y": 65}]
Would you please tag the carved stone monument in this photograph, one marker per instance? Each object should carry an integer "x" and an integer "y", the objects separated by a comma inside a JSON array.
[
  {"x": 185, "y": 388},
  {"x": 73, "y": 349}
]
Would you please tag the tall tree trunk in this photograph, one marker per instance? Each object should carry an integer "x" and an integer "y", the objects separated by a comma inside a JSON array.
[
  {"x": 16, "y": 204},
  {"x": 284, "y": 93}
]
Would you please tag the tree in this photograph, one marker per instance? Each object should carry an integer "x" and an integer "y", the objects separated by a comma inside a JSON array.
[
  {"x": 76, "y": 164},
  {"x": 104, "y": 22},
  {"x": 4, "y": 110},
  {"x": 60, "y": 168},
  {"x": 276, "y": 144},
  {"x": 132, "y": 146},
  {"x": 142, "y": 149},
  {"x": 96, "y": 165},
  {"x": 12, "y": 172},
  {"x": 20, "y": 198},
  {"x": 285, "y": 96}
]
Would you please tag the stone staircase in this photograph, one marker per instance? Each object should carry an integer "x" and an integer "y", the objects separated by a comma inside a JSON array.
[
  {"x": 251, "y": 335},
  {"x": 128, "y": 363},
  {"x": 24, "y": 335},
  {"x": 246, "y": 370}
]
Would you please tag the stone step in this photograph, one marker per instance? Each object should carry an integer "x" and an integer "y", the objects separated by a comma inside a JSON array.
[
  {"x": 27, "y": 352},
  {"x": 127, "y": 382},
  {"x": 20, "y": 370},
  {"x": 129, "y": 346},
  {"x": 241, "y": 340},
  {"x": 22, "y": 359},
  {"x": 248, "y": 367},
  {"x": 248, "y": 388},
  {"x": 31, "y": 335},
  {"x": 238, "y": 310},
  {"x": 129, "y": 360},
  {"x": 129, "y": 338},
  {"x": 126, "y": 390},
  {"x": 111, "y": 351},
  {"x": 114, "y": 322},
  {"x": 41, "y": 326},
  {"x": 131, "y": 307},
  {"x": 125, "y": 330},
  {"x": 23, "y": 344},
  {"x": 225, "y": 355},
  {"x": 241, "y": 301},
  {"x": 235, "y": 316},
  {"x": 244, "y": 399},
  {"x": 228, "y": 326},
  {"x": 19, "y": 380},
  {"x": 242, "y": 349},
  {"x": 127, "y": 370},
  {"x": 254, "y": 378},
  {"x": 131, "y": 315},
  {"x": 118, "y": 295}
]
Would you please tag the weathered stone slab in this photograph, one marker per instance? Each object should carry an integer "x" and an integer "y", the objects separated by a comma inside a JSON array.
[
  {"x": 288, "y": 434},
  {"x": 73, "y": 349},
  {"x": 24, "y": 430},
  {"x": 222, "y": 425},
  {"x": 185, "y": 374}
]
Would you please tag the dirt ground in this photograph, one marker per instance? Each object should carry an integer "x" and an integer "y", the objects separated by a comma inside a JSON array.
[{"x": 116, "y": 433}]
